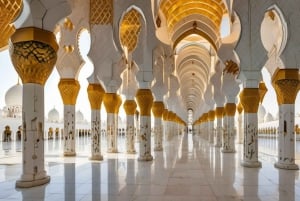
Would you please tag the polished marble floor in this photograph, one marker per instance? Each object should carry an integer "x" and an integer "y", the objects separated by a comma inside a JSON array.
[{"x": 188, "y": 169}]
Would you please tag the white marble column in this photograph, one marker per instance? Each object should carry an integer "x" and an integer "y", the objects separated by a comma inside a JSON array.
[
  {"x": 286, "y": 84},
  {"x": 69, "y": 89},
  {"x": 219, "y": 133},
  {"x": 211, "y": 127},
  {"x": 157, "y": 110},
  {"x": 112, "y": 103},
  {"x": 229, "y": 131},
  {"x": 249, "y": 98},
  {"x": 95, "y": 95},
  {"x": 32, "y": 49},
  {"x": 130, "y": 109},
  {"x": 240, "y": 132},
  {"x": 145, "y": 100}
]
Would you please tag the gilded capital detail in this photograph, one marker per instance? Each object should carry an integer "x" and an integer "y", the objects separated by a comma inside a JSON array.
[
  {"x": 95, "y": 95},
  {"x": 240, "y": 108},
  {"x": 69, "y": 89},
  {"x": 286, "y": 84},
  {"x": 211, "y": 115},
  {"x": 145, "y": 100},
  {"x": 130, "y": 107},
  {"x": 158, "y": 109},
  {"x": 33, "y": 54},
  {"x": 165, "y": 114},
  {"x": 219, "y": 112},
  {"x": 112, "y": 102},
  {"x": 101, "y": 12},
  {"x": 230, "y": 109},
  {"x": 250, "y": 98}
]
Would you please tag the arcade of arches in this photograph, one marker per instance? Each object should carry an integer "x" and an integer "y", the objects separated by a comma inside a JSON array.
[{"x": 190, "y": 63}]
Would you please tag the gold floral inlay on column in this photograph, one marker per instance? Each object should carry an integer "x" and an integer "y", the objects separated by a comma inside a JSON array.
[
  {"x": 33, "y": 54},
  {"x": 95, "y": 95},
  {"x": 101, "y": 12},
  {"x": 130, "y": 107},
  {"x": 286, "y": 84},
  {"x": 249, "y": 98},
  {"x": 230, "y": 109},
  {"x": 112, "y": 102},
  {"x": 211, "y": 115},
  {"x": 145, "y": 100},
  {"x": 69, "y": 89},
  {"x": 219, "y": 112},
  {"x": 158, "y": 109}
]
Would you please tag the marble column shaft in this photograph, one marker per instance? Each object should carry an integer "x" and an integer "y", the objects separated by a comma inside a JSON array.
[
  {"x": 211, "y": 128},
  {"x": 219, "y": 130},
  {"x": 130, "y": 109},
  {"x": 286, "y": 84},
  {"x": 32, "y": 49},
  {"x": 95, "y": 95},
  {"x": 145, "y": 100},
  {"x": 249, "y": 98},
  {"x": 229, "y": 131},
  {"x": 157, "y": 110},
  {"x": 112, "y": 103}
]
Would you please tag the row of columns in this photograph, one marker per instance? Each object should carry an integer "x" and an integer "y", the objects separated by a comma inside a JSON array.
[{"x": 286, "y": 84}]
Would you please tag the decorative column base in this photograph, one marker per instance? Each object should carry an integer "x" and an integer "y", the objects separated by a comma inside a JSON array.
[
  {"x": 251, "y": 164},
  {"x": 147, "y": 157},
  {"x": 33, "y": 183},
  {"x": 96, "y": 158},
  {"x": 286, "y": 166},
  {"x": 70, "y": 154}
]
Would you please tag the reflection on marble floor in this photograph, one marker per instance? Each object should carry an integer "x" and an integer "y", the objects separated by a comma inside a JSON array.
[{"x": 188, "y": 169}]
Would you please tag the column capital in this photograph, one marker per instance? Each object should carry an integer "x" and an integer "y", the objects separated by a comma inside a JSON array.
[
  {"x": 33, "y": 53},
  {"x": 158, "y": 109},
  {"x": 130, "y": 107},
  {"x": 219, "y": 112},
  {"x": 145, "y": 100},
  {"x": 286, "y": 83},
  {"x": 112, "y": 102},
  {"x": 250, "y": 98},
  {"x": 211, "y": 115},
  {"x": 95, "y": 95},
  {"x": 230, "y": 109},
  {"x": 69, "y": 89},
  {"x": 165, "y": 114},
  {"x": 240, "y": 108}
]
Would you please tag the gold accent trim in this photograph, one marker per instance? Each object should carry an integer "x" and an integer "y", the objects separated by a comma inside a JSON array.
[
  {"x": 219, "y": 112},
  {"x": 211, "y": 115},
  {"x": 130, "y": 107},
  {"x": 240, "y": 108},
  {"x": 198, "y": 32},
  {"x": 112, "y": 102},
  {"x": 205, "y": 117},
  {"x": 69, "y": 89},
  {"x": 144, "y": 100},
  {"x": 231, "y": 67},
  {"x": 95, "y": 95},
  {"x": 262, "y": 91},
  {"x": 230, "y": 109},
  {"x": 101, "y": 12},
  {"x": 249, "y": 98},
  {"x": 130, "y": 29},
  {"x": 33, "y": 53},
  {"x": 35, "y": 34},
  {"x": 158, "y": 108},
  {"x": 165, "y": 114},
  {"x": 286, "y": 83}
]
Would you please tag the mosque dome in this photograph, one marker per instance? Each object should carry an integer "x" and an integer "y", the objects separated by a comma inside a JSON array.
[
  {"x": 79, "y": 116},
  {"x": 261, "y": 113},
  {"x": 269, "y": 117},
  {"x": 53, "y": 115},
  {"x": 13, "y": 96}
]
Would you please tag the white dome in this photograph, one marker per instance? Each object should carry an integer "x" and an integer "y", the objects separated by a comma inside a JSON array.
[
  {"x": 79, "y": 116},
  {"x": 269, "y": 117},
  {"x": 13, "y": 96},
  {"x": 261, "y": 113},
  {"x": 53, "y": 115}
]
